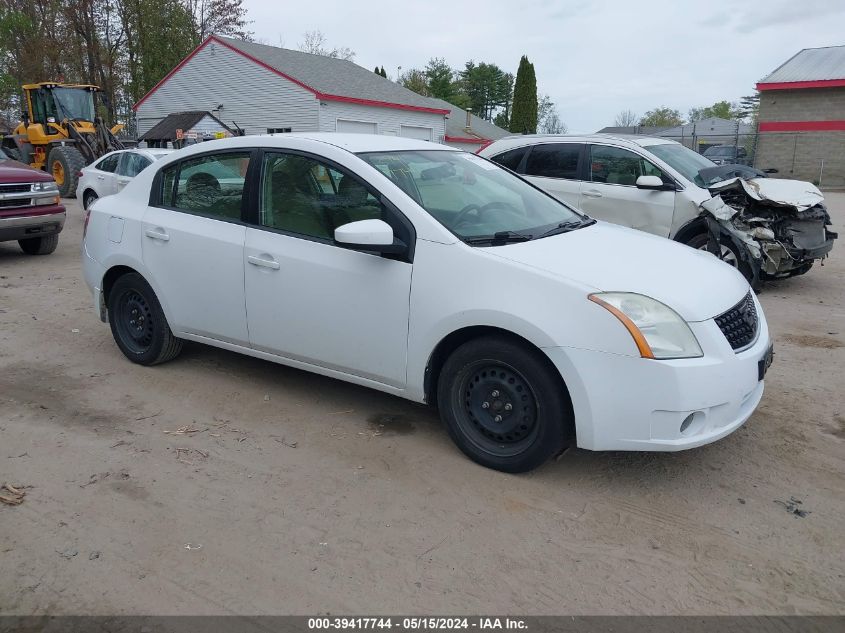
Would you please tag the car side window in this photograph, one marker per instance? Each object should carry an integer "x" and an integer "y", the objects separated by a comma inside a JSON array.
[
  {"x": 511, "y": 159},
  {"x": 109, "y": 163},
  {"x": 554, "y": 160},
  {"x": 617, "y": 166},
  {"x": 211, "y": 185},
  {"x": 302, "y": 195},
  {"x": 131, "y": 164}
]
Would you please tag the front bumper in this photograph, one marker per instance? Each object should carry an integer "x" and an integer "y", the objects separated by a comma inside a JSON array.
[
  {"x": 21, "y": 224},
  {"x": 629, "y": 403}
]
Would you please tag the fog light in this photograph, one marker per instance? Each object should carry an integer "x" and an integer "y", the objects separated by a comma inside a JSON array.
[{"x": 687, "y": 421}]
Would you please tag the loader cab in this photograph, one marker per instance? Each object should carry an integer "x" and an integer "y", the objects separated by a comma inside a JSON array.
[{"x": 53, "y": 103}]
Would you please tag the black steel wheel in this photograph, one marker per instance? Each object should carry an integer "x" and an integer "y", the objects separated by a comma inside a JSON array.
[
  {"x": 138, "y": 323},
  {"x": 504, "y": 404}
]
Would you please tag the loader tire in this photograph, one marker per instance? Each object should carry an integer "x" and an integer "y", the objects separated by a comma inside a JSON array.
[{"x": 64, "y": 164}]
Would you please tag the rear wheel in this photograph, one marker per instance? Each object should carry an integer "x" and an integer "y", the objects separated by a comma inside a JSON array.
[
  {"x": 64, "y": 164},
  {"x": 39, "y": 245},
  {"x": 88, "y": 199},
  {"x": 138, "y": 323},
  {"x": 503, "y": 405}
]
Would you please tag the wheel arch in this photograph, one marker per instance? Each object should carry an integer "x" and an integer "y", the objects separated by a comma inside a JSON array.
[
  {"x": 455, "y": 339},
  {"x": 689, "y": 230}
]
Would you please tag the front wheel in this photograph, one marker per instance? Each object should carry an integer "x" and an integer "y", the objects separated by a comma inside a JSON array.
[
  {"x": 728, "y": 253},
  {"x": 503, "y": 405},
  {"x": 138, "y": 323},
  {"x": 64, "y": 163}
]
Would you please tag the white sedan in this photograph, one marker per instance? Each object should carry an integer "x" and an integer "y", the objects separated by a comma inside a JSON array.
[
  {"x": 113, "y": 172},
  {"x": 437, "y": 276}
]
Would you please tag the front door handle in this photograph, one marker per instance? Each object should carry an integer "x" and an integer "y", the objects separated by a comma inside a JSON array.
[
  {"x": 266, "y": 263},
  {"x": 592, "y": 193},
  {"x": 157, "y": 234}
]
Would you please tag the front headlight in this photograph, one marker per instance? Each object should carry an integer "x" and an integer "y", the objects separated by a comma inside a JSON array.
[
  {"x": 657, "y": 329},
  {"x": 44, "y": 186}
]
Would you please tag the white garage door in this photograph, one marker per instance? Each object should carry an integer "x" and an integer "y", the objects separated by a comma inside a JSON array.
[
  {"x": 417, "y": 132},
  {"x": 356, "y": 127}
]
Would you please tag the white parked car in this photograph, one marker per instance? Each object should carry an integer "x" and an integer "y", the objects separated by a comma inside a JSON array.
[
  {"x": 437, "y": 276},
  {"x": 113, "y": 172},
  {"x": 768, "y": 228}
]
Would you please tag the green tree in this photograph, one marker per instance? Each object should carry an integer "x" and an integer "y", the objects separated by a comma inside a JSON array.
[
  {"x": 524, "y": 114},
  {"x": 415, "y": 79},
  {"x": 441, "y": 78},
  {"x": 720, "y": 110},
  {"x": 749, "y": 107},
  {"x": 377, "y": 71},
  {"x": 661, "y": 117},
  {"x": 383, "y": 72},
  {"x": 485, "y": 88}
]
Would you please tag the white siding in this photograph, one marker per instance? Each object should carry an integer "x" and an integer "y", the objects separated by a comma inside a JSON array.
[
  {"x": 207, "y": 125},
  {"x": 252, "y": 96},
  {"x": 389, "y": 120}
]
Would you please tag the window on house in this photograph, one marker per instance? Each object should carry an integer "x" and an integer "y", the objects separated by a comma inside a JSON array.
[{"x": 278, "y": 130}]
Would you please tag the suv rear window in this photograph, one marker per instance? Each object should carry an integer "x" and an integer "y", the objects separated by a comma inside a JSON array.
[{"x": 554, "y": 160}]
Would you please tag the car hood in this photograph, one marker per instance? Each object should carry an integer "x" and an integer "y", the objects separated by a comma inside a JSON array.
[
  {"x": 13, "y": 171},
  {"x": 778, "y": 192},
  {"x": 607, "y": 258}
]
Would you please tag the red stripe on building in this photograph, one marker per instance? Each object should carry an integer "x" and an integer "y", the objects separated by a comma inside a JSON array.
[
  {"x": 465, "y": 139},
  {"x": 802, "y": 126},
  {"x": 319, "y": 95},
  {"x": 799, "y": 85}
]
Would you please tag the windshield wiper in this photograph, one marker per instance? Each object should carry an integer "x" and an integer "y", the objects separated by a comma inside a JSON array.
[
  {"x": 565, "y": 227},
  {"x": 500, "y": 237}
]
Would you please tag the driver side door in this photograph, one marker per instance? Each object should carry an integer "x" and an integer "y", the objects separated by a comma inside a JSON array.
[{"x": 311, "y": 300}]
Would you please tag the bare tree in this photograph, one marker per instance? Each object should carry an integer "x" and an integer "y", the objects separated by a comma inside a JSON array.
[
  {"x": 315, "y": 42},
  {"x": 548, "y": 118},
  {"x": 626, "y": 118}
]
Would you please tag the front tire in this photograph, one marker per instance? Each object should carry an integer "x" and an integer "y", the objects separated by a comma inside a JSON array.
[
  {"x": 728, "y": 254},
  {"x": 503, "y": 404},
  {"x": 138, "y": 323},
  {"x": 39, "y": 245},
  {"x": 64, "y": 163}
]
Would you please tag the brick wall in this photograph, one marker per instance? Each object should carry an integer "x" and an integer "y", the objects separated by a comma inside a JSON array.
[{"x": 799, "y": 155}]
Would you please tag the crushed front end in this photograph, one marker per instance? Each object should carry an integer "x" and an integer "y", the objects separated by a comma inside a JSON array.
[{"x": 779, "y": 227}]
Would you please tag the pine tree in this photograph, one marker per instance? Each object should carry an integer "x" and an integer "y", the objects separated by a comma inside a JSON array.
[
  {"x": 383, "y": 73},
  {"x": 377, "y": 71},
  {"x": 523, "y": 118}
]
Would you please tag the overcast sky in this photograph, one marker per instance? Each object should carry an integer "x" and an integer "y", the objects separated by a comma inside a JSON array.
[{"x": 593, "y": 58}]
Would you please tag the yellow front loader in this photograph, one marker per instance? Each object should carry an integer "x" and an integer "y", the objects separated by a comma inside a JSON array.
[{"x": 60, "y": 131}]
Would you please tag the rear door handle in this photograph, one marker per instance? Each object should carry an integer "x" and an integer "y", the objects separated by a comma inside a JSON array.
[
  {"x": 260, "y": 261},
  {"x": 101, "y": 177},
  {"x": 592, "y": 193},
  {"x": 157, "y": 234}
]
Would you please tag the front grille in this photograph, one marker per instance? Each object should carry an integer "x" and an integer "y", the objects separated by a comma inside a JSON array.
[
  {"x": 16, "y": 188},
  {"x": 10, "y": 204},
  {"x": 739, "y": 324}
]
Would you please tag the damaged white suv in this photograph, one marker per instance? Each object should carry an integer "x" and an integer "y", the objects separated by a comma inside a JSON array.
[{"x": 768, "y": 228}]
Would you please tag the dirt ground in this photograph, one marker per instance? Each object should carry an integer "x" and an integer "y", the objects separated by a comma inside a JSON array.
[{"x": 289, "y": 493}]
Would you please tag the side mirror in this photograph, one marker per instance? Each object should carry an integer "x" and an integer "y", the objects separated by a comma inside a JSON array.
[
  {"x": 650, "y": 182},
  {"x": 369, "y": 235}
]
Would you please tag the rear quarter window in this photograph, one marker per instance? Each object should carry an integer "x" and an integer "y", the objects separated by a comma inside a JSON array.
[{"x": 511, "y": 159}]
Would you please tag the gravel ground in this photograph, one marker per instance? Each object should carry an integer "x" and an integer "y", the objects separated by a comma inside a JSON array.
[{"x": 286, "y": 492}]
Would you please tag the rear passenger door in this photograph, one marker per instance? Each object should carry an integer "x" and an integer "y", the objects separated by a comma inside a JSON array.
[
  {"x": 193, "y": 240},
  {"x": 610, "y": 191},
  {"x": 555, "y": 168}
]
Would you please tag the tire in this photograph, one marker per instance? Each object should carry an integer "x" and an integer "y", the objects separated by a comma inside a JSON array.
[
  {"x": 504, "y": 405},
  {"x": 729, "y": 255},
  {"x": 138, "y": 324},
  {"x": 64, "y": 163},
  {"x": 39, "y": 245},
  {"x": 88, "y": 199}
]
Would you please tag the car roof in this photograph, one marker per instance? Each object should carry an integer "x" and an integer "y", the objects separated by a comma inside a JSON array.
[{"x": 520, "y": 140}]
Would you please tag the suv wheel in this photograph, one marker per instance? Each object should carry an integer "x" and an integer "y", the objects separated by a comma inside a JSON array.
[
  {"x": 728, "y": 254},
  {"x": 503, "y": 405},
  {"x": 138, "y": 323}
]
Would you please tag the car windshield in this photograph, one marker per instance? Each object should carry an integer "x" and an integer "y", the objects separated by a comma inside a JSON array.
[
  {"x": 75, "y": 103},
  {"x": 683, "y": 160},
  {"x": 472, "y": 197},
  {"x": 719, "y": 151}
]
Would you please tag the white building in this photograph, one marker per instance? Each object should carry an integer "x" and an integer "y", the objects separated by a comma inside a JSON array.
[{"x": 266, "y": 89}]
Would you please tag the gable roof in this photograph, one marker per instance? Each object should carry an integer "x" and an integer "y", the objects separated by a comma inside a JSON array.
[
  {"x": 480, "y": 131},
  {"x": 328, "y": 78},
  {"x": 166, "y": 128},
  {"x": 808, "y": 68}
]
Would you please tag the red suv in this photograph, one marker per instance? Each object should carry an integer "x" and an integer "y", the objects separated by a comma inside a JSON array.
[{"x": 30, "y": 208}]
